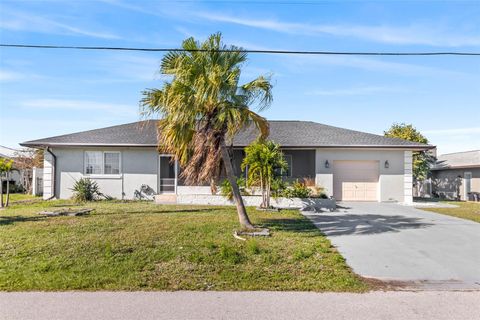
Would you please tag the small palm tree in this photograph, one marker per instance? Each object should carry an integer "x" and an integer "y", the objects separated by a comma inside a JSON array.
[
  {"x": 263, "y": 158},
  {"x": 5, "y": 168},
  {"x": 203, "y": 106}
]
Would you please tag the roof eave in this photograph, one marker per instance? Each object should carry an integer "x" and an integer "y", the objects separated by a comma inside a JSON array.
[
  {"x": 471, "y": 166},
  {"x": 44, "y": 145}
]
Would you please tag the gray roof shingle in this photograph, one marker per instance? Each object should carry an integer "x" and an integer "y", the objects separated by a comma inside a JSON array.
[
  {"x": 466, "y": 159},
  {"x": 293, "y": 134}
]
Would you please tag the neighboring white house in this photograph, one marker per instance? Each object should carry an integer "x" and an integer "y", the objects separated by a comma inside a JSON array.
[
  {"x": 350, "y": 165},
  {"x": 16, "y": 177},
  {"x": 456, "y": 176}
]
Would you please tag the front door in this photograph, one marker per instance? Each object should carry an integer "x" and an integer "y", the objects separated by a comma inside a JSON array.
[{"x": 167, "y": 173}]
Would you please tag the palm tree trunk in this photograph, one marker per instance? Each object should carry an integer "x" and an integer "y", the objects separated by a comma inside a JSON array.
[
  {"x": 8, "y": 190},
  {"x": 242, "y": 212}
]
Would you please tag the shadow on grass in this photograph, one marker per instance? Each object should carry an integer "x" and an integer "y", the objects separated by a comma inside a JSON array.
[
  {"x": 293, "y": 225},
  {"x": 6, "y": 220},
  {"x": 364, "y": 224},
  {"x": 177, "y": 210}
]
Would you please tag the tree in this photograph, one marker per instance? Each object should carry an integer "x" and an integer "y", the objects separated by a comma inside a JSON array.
[
  {"x": 203, "y": 106},
  {"x": 263, "y": 158},
  {"x": 5, "y": 168},
  {"x": 421, "y": 159},
  {"x": 24, "y": 161}
]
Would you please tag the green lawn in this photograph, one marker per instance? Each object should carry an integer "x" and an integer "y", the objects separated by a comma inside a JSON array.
[
  {"x": 143, "y": 246},
  {"x": 14, "y": 197},
  {"x": 465, "y": 210}
]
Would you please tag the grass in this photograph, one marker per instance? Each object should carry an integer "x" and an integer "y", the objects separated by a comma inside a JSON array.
[
  {"x": 21, "y": 197},
  {"x": 465, "y": 210},
  {"x": 143, "y": 246}
]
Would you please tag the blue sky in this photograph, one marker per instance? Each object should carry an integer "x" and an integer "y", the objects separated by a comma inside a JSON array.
[{"x": 51, "y": 92}]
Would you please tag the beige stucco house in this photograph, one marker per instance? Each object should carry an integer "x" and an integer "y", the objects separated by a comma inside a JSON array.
[
  {"x": 349, "y": 165},
  {"x": 456, "y": 175}
]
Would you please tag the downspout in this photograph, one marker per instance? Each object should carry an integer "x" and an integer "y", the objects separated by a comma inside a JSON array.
[{"x": 53, "y": 172}]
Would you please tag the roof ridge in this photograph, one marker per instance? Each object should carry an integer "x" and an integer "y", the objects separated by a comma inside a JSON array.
[
  {"x": 445, "y": 154},
  {"x": 374, "y": 134}
]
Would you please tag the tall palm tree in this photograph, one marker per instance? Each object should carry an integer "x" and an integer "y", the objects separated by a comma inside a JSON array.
[{"x": 203, "y": 106}]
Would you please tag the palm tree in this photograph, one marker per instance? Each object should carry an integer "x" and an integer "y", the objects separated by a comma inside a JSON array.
[
  {"x": 5, "y": 168},
  {"x": 203, "y": 106},
  {"x": 263, "y": 159}
]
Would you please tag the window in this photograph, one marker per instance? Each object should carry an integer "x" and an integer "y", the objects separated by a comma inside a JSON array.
[
  {"x": 288, "y": 171},
  {"x": 111, "y": 162},
  {"x": 99, "y": 162},
  {"x": 93, "y": 162}
]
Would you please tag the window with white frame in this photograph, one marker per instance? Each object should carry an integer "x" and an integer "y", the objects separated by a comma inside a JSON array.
[
  {"x": 102, "y": 162},
  {"x": 111, "y": 162}
]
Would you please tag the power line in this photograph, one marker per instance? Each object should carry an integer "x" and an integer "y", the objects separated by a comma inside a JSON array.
[{"x": 437, "y": 53}]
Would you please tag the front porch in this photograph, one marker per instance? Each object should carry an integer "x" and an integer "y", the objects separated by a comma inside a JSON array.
[{"x": 173, "y": 189}]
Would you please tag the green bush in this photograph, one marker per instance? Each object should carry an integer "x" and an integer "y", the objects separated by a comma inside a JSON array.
[
  {"x": 297, "y": 190},
  {"x": 278, "y": 187},
  {"x": 226, "y": 188},
  {"x": 85, "y": 190}
]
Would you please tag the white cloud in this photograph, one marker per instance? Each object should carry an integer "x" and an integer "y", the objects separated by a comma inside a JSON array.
[
  {"x": 412, "y": 34},
  {"x": 82, "y": 105},
  {"x": 20, "y": 21},
  {"x": 10, "y": 76},
  {"x": 354, "y": 91},
  {"x": 302, "y": 64},
  {"x": 130, "y": 67}
]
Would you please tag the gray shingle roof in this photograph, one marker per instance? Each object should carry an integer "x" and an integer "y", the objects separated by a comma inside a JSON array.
[
  {"x": 294, "y": 134},
  {"x": 466, "y": 159}
]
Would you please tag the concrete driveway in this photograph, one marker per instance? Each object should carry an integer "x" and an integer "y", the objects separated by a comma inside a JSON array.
[{"x": 394, "y": 242}]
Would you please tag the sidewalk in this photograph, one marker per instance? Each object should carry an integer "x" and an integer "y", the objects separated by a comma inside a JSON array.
[{"x": 240, "y": 305}]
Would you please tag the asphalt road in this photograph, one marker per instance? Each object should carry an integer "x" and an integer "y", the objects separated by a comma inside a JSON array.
[
  {"x": 391, "y": 305},
  {"x": 388, "y": 241}
]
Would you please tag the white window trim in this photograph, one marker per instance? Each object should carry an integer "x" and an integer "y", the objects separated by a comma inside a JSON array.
[{"x": 102, "y": 174}]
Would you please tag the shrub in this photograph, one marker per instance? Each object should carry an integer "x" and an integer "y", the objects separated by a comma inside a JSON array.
[
  {"x": 297, "y": 190},
  {"x": 226, "y": 188},
  {"x": 86, "y": 190},
  {"x": 278, "y": 187}
]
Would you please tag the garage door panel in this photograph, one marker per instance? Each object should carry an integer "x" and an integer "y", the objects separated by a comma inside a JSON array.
[{"x": 355, "y": 180}]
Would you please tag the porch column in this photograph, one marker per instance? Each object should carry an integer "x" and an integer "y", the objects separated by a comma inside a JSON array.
[
  {"x": 408, "y": 178},
  {"x": 47, "y": 175}
]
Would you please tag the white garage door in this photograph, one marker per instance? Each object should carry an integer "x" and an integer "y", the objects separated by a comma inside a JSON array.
[{"x": 355, "y": 180}]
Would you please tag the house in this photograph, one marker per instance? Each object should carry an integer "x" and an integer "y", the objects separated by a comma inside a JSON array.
[
  {"x": 350, "y": 165},
  {"x": 16, "y": 177},
  {"x": 455, "y": 175}
]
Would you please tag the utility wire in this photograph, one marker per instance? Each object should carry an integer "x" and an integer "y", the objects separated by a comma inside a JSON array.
[{"x": 351, "y": 53}]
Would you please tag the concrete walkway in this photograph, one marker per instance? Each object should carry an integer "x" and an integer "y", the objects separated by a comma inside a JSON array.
[
  {"x": 394, "y": 242},
  {"x": 239, "y": 305}
]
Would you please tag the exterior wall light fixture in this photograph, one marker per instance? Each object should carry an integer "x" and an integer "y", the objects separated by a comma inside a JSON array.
[
  {"x": 387, "y": 165},
  {"x": 327, "y": 164}
]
